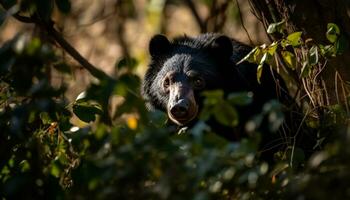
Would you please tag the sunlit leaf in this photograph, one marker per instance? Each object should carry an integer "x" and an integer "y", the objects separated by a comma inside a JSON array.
[
  {"x": 272, "y": 48},
  {"x": 276, "y": 27},
  {"x": 328, "y": 50},
  {"x": 55, "y": 171},
  {"x": 289, "y": 59},
  {"x": 250, "y": 56},
  {"x": 313, "y": 55},
  {"x": 260, "y": 66},
  {"x": 259, "y": 72},
  {"x": 306, "y": 69},
  {"x": 294, "y": 39},
  {"x": 333, "y": 32}
]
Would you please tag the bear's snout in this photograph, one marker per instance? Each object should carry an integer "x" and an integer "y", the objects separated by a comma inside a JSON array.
[
  {"x": 180, "y": 109},
  {"x": 183, "y": 111}
]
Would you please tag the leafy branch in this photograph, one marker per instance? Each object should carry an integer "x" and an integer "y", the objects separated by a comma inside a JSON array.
[{"x": 48, "y": 27}]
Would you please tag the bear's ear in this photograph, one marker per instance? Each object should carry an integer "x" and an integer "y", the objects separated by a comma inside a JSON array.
[
  {"x": 159, "y": 45},
  {"x": 222, "y": 46}
]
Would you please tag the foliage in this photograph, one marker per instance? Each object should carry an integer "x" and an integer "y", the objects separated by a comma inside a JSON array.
[{"x": 130, "y": 153}]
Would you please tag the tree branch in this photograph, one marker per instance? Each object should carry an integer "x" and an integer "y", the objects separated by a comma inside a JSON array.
[
  {"x": 74, "y": 53},
  {"x": 242, "y": 22},
  {"x": 196, "y": 15},
  {"x": 48, "y": 27}
]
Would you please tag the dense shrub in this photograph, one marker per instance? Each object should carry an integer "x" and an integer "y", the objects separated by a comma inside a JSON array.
[{"x": 131, "y": 153}]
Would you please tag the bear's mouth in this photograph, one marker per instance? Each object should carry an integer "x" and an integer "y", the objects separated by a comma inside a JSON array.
[{"x": 184, "y": 120}]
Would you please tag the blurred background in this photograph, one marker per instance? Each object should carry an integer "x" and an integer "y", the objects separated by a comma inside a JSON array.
[
  {"x": 105, "y": 32},
  {"x": 71, "y": 132}
]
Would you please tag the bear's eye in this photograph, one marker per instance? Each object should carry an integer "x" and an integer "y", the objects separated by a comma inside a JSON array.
[
  {"x": 166, "y": 83},
  {"x": 198, "y": 83}
]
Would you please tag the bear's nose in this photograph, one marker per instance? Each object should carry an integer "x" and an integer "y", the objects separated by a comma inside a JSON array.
[{"x": 180, "y": 109}]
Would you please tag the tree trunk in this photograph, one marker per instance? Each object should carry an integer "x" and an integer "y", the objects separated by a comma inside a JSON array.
[{"x": 311, "y": 17}]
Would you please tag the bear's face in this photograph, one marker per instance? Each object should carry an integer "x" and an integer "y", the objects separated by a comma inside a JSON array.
[
  {"x": 178, "y": 74},
  {"x": 179, "y": 82}
]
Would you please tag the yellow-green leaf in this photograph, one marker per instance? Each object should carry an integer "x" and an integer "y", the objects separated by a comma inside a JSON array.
[
  {"x": 276, "y": 27},
  {"x": 313, "y": 55},
  {"x": 259, "y": 72},
  {"x": 294, "y": 38},
  {"x": 289, "y": 59},
  {"x": 305, "y": 70},
  {"x": 264, "y": 59},
  {"x": 249, "y": 57},
  {"x": 272, "y": 48},
  {"x": 333, "y": 32}
]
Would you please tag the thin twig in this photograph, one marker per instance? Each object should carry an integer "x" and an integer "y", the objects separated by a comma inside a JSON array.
[
  {"x": 74, "y": 53},
  {"x": 325, "y": 90},
  {"x": 343, "y": 91},
  {"x": 196, "y": 15},
  {"x": 242, "y": 22},
  {"x": 48, "y": 27},
  {"x": 295, "y": 136},
  {"x": 23, "y": 18}
]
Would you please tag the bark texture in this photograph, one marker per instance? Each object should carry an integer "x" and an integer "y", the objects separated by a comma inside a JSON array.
[{"x": 312, "y": 17}]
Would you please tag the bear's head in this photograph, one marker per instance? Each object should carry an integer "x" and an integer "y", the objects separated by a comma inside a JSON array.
[{"x": 180, "y": 70}]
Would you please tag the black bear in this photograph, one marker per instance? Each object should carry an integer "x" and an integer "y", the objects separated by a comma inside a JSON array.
[{"x": 180, "y": 70}]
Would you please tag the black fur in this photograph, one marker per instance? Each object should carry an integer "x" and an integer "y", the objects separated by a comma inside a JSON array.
[{"x": 215, "y": 56}]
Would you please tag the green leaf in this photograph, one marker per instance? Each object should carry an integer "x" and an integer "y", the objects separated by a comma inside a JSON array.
[
  {"x": 128, "y": 63},
  {"x": 294, "y": 39},
  {"x": 55, "y": 170},
  {"x": 276, "y": 27},
  {"x": 33, "y": 47},
  {"x": 226, "y": 114},
  {"x": 259, "y": 72},
  {"x": 305, "y": 70},
  {"x": 63, "y": 5},
  {"x": 272, "y": 48},
  {"x": 264, "y": 59},
  {"x": 250, "y": 56},
  {"x": 259, "y": 54},
  {"x": 213, "y": 97},
  {"x": 341, "y": 45},
  {"x": 289, "y": 59},
  {"x": 333, "y": 32},
  {"x": 313, "y": 55},
  {"x": 86, "y": 111},
  {"x": 328, "y": 50},
  {"x": 127, "y": 83},
  {"x": 240, "y": 98}
]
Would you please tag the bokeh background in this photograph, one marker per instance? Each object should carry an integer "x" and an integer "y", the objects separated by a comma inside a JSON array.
[
  {"x": 67, "y": 134},
  {"x": 105, "y": 32}
]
